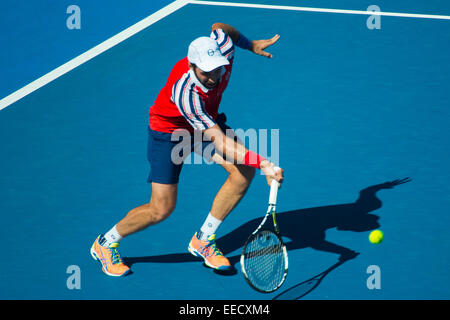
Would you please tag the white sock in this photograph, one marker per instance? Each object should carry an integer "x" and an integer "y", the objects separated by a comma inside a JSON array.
[
  {"x": 111, "y": 236},
  {"x": 209, "y": 227}
]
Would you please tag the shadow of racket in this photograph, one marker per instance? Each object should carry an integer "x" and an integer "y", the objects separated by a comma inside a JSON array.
[{"x": 303, "y": 288}]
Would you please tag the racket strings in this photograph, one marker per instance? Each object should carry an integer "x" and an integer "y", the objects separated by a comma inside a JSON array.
[{"x": 264, "y": 261}]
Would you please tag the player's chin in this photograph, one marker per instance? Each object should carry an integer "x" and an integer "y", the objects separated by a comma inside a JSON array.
[{"x": 210, "y": 86}]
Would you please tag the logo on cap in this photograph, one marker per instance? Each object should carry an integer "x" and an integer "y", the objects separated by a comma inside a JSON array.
[{"x": 210, "y": 52}]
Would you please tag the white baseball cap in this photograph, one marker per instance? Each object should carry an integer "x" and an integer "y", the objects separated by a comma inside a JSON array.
[{"x": 205, "y": 53}]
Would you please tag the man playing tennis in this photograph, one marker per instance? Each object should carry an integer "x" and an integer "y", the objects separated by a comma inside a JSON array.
[{"x": 190, "y": 101}]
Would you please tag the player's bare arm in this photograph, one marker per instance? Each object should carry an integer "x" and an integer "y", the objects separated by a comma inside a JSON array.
[
  {"x": 231, "y": 150},
  {"x": 256, "y": 46}
]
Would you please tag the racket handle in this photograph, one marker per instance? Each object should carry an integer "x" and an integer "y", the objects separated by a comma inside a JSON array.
[{"x": 274, "y": 190}]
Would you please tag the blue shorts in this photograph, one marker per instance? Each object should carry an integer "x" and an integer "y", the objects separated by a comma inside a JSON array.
[{"x": 166, "y": 162}]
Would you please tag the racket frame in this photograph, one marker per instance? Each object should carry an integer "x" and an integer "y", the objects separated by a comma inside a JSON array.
[{"x": 271, "y": 210}]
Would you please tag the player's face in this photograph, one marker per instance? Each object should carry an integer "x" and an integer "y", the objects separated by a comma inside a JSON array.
[{"x": 209, "y": 79}]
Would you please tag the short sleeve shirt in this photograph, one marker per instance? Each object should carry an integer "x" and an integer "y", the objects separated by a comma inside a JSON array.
[{"x": 184, "y": 103}]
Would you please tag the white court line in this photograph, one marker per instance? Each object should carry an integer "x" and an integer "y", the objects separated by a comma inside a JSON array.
[
  {"x": 95, "y": 51},
  {"x": 309, "y": 9},
  {"x": 155, "y": 17}
]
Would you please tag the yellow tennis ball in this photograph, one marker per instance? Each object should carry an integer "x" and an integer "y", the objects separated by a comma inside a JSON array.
[{"x": 376, "y": 236}]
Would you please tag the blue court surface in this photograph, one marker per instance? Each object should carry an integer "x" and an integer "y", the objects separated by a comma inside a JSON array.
[{"x": 358, "y": 110}]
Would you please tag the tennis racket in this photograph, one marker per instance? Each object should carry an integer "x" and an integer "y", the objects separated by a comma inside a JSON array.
[{"x": 264, "y": 259}]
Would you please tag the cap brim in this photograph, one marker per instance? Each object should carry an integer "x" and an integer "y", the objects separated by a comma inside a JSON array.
[{"x": 212, "y": 64}]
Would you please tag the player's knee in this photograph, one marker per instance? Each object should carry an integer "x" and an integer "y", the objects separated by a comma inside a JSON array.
[
  {"x": 163, "y": 211},
  {"x": 160, "y": 209},
  {"x": 249, "y": 173},
  {"x": 242, "y": 176}
]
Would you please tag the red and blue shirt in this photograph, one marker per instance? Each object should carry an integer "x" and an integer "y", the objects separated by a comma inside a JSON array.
[{"x": 184, "y": 103}]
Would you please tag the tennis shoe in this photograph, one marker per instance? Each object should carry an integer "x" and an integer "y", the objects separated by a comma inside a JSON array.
[
  {"x": 109, "y": 258},
  {"x": 208, "y": 250}
]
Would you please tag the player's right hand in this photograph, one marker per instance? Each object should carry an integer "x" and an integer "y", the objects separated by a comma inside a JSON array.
[{"x": 272, "y": 172}]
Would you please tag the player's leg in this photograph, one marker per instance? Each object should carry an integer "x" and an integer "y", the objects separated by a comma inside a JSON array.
[
  {"x": 161, "y": 205},
  {"x": 232, "y": 191},
  {"x": 236, "y": 185},
  {"x": 234, "y": 188},
  {"x": 164, "y": 177},
  {"x": 105, "y": 247}
]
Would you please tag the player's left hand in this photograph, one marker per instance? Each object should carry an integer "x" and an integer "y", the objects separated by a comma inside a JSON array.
[{"x": 258, "y": 46}]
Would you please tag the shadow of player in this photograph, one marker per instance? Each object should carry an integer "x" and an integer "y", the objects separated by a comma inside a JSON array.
[{"x": 304, "y": 228}]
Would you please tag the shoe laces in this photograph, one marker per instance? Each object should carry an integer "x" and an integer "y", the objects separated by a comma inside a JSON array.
[
  {"x": 115, "y": 256},
  {"x": 211, "y": 247}
]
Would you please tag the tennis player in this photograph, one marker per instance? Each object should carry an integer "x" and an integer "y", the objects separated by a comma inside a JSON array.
[{"x": 190, "y": 101}]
